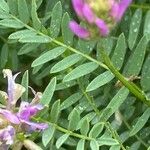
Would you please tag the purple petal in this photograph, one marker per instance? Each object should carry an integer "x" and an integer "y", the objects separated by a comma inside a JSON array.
[
  {"x": 118, "y": 9},
  {"x": 7, "y": 135},
  {"x": 104, "y": 30},
  {"x": 78, "y": 30},
  {"x": 26, "y": 111},
  {"x": 10, "y": 116},
  {"x": 32, "y": 126},
  {"x": 78, "y": 6},
  {"x": 88, "y": 13}
]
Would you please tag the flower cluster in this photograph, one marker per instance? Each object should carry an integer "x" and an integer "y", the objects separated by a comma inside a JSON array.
[
  {"x": 99, "y": 16},
  {"x": 15, "y": 120}
]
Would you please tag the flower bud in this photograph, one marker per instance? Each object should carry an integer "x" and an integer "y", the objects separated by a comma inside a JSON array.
[{"x": 99, "y": 16}]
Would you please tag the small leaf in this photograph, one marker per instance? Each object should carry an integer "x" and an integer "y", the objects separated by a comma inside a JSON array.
[
  {"x": 22, "y": 34},
  {"x": 66, "y": 32},
  {"x": 71, "y": 100},
  {"x": 66, "y": 63},
  {"x": 4, "y": 6},
  {"x": 61, "y": 140},
  {"x": 134, "y": 64},
  {"x": 47, "y": 135},
  {"x": 141, "y": 122},
  {"x": 80, "y": 71},
  {"x": 55, "y": 111},
  {"x": 94, "y": 145},
  {"x": 134, "y": 28},
  {"x": 115, "y": 147},
  {"x": 25, "y": 84},
  {"x": 48, "y": 93},
  {"x": 147, "y": 24},
  {"x": 11, "y": 23},
  {"x": 4, "y": 55},
  {"x": 119, "y": 52},
  {"x": 107, "y": 141},
  {"x": 80, "y": 145},
  {"x": 56, "y": 20},
  {"x": 51, "y": 54},
  {"x": 35, "y": 39},
  {"x": 96, "y": 130},
  {"x": 100, "y": 80},
  {"x": 84, "y": 127},
  {"x": 74, "y": 119},
  {"x": 23, "y": 11}
]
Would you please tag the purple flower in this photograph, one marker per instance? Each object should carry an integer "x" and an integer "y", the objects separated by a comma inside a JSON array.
[
  {"x": 118, "y": 9},
  {"x": 92, "y": 12},
  {"x": 7, "y": 137}
]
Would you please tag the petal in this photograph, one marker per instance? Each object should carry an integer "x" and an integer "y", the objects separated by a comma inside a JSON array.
[
  {"x": 104, "y": 30},
  {"x": 78, "y": 6},
  {"x": 7, "y": 135},
  {"x": 88, "y": 13},
  {"x": 26, "y": 110},
  {"x": 118, "y": 9},
  {"x": 10, "y": 116},
  {"x": 32, "y": 126},
  {"x": 78, "y": 30}
]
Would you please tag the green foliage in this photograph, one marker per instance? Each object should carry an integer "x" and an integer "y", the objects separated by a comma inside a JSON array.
[{"x": 95, "y": 104}]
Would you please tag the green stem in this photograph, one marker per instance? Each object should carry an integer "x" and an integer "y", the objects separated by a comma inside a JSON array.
[{"x": 132, "y": 87}]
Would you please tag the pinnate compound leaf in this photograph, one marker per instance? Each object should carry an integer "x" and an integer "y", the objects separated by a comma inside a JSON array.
[
  {"x": 48, "y": 93},
  {"x": 66, "y": 63},
  {"x": 134, "y": 28},
  {"x": 80, "y": 71},
  {"x": 100, "y": 80},
  {"x": 141, "y": 122},
  {"x": 48, "y": 135},
  {"x": 47, "y": 56},
  {"x": 80, "y": 145}
]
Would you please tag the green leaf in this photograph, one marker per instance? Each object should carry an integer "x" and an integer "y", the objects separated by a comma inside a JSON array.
[
  {"x": 22, "y": 34},
  {"x": 51, "y": 54},
  {"x": 134, "y": 64},
  {"x": 25, "y": 83},
  {"x": 100, "y": 80},
  {"x": 35, "y": 20},
  {"x": 134, "y": 28},
  {"x": 56, "y": 20},
  {"x": 71, "y": 100},
  {"x": 13, "y": 6},
  {"x": 11, "y": 23},
  {"x": 85, "y": 127},
  {"x": 115, "y": 103},
  {"x": 146, "y": 29},
  {"x": 146, "y": 75},
  {"x": 48, "y": 93},
  {"x": 4, "y": 55},
  {"x": 35, "y": 39},
  {"x": 4, "y": 6},
  {"x": 80, "y": 71},
  {"x": 107, "y": 141},
  {"x": 4, "y": 15},
  {"x": 74, "y": 119},
  {"x": 94, "y": 145},
  {"x": 66, "y": 32},
  {"x": 96, "y": 130},
  {"x": 141, "y": 122},
  {"x": 61, "y": 140},
  {"x": 48, "y": 135},
  {"x": 135, "y": 146},
  {"x": 26, "y": 48},
  {"x": 66, "y": 63},
  {"x": 23, "y": 11},
  {"x": 115, "y": 147},
  {"x": 80, "y": 145},
  {"x": 119, "y": 52},
  {"x": 55, "y": 111}
]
